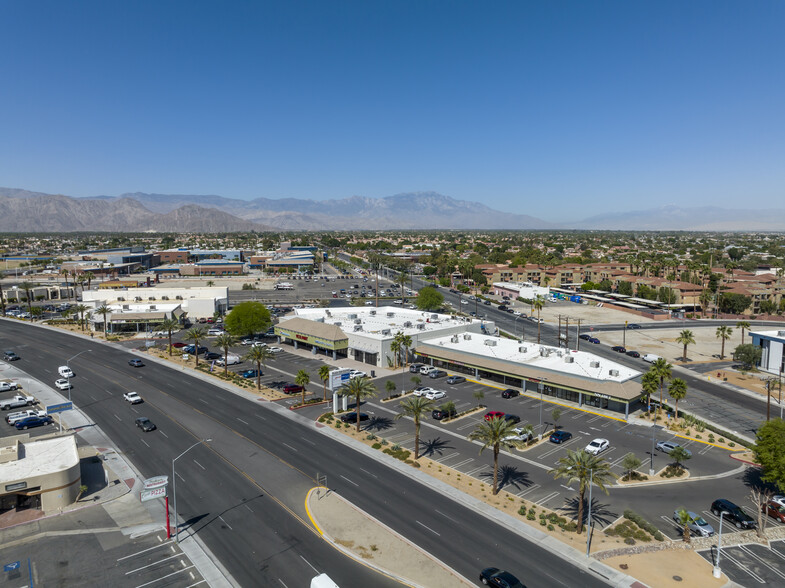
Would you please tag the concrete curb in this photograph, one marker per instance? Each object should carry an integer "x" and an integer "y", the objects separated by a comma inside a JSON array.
[{"x": 727, "y": 474}]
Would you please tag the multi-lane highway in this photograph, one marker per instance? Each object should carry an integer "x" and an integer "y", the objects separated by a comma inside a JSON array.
[{"x": 243, "y": 492}]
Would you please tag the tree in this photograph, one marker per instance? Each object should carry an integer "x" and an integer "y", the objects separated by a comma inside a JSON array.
[
  {"x": 302, "y": 379},
  {"x": 429, "y": 298},
  {"x": 556, "y": 415},
  {"x": 760, "y": 498},
  {"x": 415, "y": 407},
  {"x": 65, "y": 273},
  {"x": 224, "y": 341},
  {"x": 416, "y": 380},
  {"x": 479, "y": 395},
  {"x": 723, "y": 333},
  {"x": 743, "y": 325},
  {"x": 324, "y": 376},
  {"x": 167, "y": 325},
  {"x": 662, "y": 369},
  {"x": 748, "y": 354},
  {"x": 104, "y": 311},
  {"x": 194, "y": 335},
  {"x": 649, "y": 383},
  {"x": 679, "y": 455},
  {"x": 2, "y": 298},
  {"x": 769, "y": 452},
  {"x": 684, "y": 521},
  {"x": 406, "y": 342},
  {"x": 389, "y": 385},
  {"x": 677, "y": 390},
  {"x": 28, "y": 287},
  {"x": 494, "y": 433},
  {"x": 538, "y": 303},
  {"x": 395, "y": 347},
  {"x": 686, "y": 337},
  {"x": 732, "y": 303},
  {"x": 36, "y": 312},
  {"x": 259, "y": 355},
  {"x": 583, "y": 467},
  {"x": 247, "y": 318},
  {"x": 360, "y": 388},
  {"x": 629, "y": 464},
  {"x": 81, "y": 309}
]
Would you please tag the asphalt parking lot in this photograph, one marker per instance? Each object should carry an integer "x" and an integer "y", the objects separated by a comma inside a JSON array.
[{"x": 751, "y": 564}]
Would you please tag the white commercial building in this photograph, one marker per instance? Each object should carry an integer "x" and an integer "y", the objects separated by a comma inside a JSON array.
[
  {"x": 772, "y": 344},
  {"x": 526, "y": 290}
]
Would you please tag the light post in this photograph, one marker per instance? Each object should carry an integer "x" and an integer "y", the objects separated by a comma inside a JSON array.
[
  {"x": 717, "y": 572},
  {"x": 653, "y": 434},
  {"x": 523, "y": 329},
  {"x": 67, "y": 361},
  {"x": 174, "y": 488}
]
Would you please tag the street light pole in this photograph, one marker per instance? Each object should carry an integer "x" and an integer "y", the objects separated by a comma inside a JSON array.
[
  {"x": 653, "y": 435},
  {"x": 174, "y": 488},
  {"x": 67, "y": 361},
  {"x": 717, "y": 572}
]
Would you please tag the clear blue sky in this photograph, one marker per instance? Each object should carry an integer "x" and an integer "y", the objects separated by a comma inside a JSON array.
[{"x": 552, "y": 108}]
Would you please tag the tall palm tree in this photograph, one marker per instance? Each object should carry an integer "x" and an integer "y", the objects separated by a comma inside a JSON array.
[
  {"x": 2, "y": 298},
  {"x": 686, "y": 337},
  {"x": 406, "y": 342},
  {"x": 663, "y": 371},
  {"x": 723, "y": 333},
  {"x": 360, "y": 389},
  {"x": 324, "y": 375},
  {"x": 649, "y": 383},
  {"x": 169, "y": 325},
  {"x": 28, "y": 287},
  {"x": 705, "y": 300},
  {"x": 302, "y": 379},
  {"x": 584, "y": 468},
  {"x": 395, "y": 347},
  {"x": 258, "y": 355},
  {"x": 677, "y": 390},
  {"x": 65, "y": 273},
  {"x": 225, "y": 341},
  {"x": 684, "y": 521},
  {"x": 743, "y": 325},
  {"x": 415, "y": 407},
  {"x": 104, "y": 310},
  {"x": 66, "y": 313},
  {"x": 81, "y": 309},
  {"x": 194, "y": 335},
  {"x": 494, "y": 433},
  {"x": 537, "y": 304}
]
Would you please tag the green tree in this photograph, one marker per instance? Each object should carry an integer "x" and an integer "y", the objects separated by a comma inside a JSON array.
[
  {"x": 684, "y": 521},
  {"x": 769, "y": 452},
  {"x": 104, "y": 311},
  {"x": 2, "y": 297},
  {"x": 395, "y": 347},
  {"x": 556, "y": 415},
  {"x": 583, "y": 468},
  {"x": 259, "y": 355},
  {"x": 479, "y": 395},
  {"x": 302, "y": 379},
  {"x": 167, "y": 325},
  {"x": 629, "y": 464},
  {"x": 493, "y": 434},
  {"x": 744, "y": 326},
  {"x": 662, "y": 369},
  {"x": 749, "y": 355},
  {"x": 28, "y": 287},
  {"x": 429, "y": 299},
  {"x": 81, "y": 309},
  {"x": 324, "y": 376},
  {"x": 732, "y": 303},
  {"x": 224, "y": 341},
  {"x": 36, "y": 312},
  {"x": 247, "y": 318},
  {"x": 389, "y": 385},
  {"x": 686, "y": 337},
  {"x": 360, "y": 388},
  {"x": 194, "y": 335},
  {"x": 415, "y": 407},
  {"x": 677, "y": 390},
  {"x": 538, "y": 303},
  {"x": 416, "y": 380},
  {"x": 679, "y": 455},
  {"x": 723, "y": 333}
]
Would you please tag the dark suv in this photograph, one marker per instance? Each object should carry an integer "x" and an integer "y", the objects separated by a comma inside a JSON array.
[{"x": 735, "y": 514}]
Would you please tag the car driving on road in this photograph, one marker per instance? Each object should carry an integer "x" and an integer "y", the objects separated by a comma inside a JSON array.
[
  {"x": 63, "y": 384},
  {"x": 136, "y": 362},
  {"x": 499, "y": 578},
  {"x": 145, "y": 424}
]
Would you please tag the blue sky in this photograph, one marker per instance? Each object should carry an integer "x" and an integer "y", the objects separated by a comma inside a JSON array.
[{"x": 556, "y": 109}]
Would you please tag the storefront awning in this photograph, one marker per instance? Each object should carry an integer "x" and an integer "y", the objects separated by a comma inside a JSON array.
[{"x": 313, "y": 333}]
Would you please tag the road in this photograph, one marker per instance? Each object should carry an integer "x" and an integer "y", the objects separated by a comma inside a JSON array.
[{"x": 243, "y": 493}]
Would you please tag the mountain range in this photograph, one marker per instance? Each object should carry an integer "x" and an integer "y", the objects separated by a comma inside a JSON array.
[{"x": 25, "y": 211}]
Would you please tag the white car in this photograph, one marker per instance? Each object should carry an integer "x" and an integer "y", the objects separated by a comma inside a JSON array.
[
  {"x": 8, "y": 386},
  {"x": 356, "y": 374},
  {"x": 215, "y": 332},
  {"x": 229, "y": 360},
  {"x": 65, "y": 371},
  {"x": 464, "y": 302},
  {"x": 369, "y": 303},
  {"x": 435, "y": 394},
  {"x": 427, "y": 369},
  {"x": 275, "y": 350},
  {"x": 63, "y": 384},
  {"x": 597, "y": 446},
  {"x": 423, "y": 391},
  {"x": 520, "y": 435},
  {"x": 132, "y": 397},
  {"x": 399, "y": 301},
  {"x": 18, "y": 416},
  {"x": 650, "y": 357}
]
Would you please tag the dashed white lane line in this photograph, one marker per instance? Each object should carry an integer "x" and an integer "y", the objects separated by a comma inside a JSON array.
[
  {"x": 348, "y": 480},
  {"x": 200, "y": 465},
  {"x": 427, "y": 527}
]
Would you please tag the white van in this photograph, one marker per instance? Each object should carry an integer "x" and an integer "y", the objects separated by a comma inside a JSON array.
[
  {"x": 65, "y": 371},
  {"x": 231, "y": 359},
  {"x": 650, "y": 357}
]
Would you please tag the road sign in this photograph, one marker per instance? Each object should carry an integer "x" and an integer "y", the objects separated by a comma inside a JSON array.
[
  {"x": 53, "y": 408},
  {"x": 152, "y": 494},
  {"x": 156, "y": 482},
  {"x": 11, "y": 566}
]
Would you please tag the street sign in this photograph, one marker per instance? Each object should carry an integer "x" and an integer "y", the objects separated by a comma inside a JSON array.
[
  {"x": 53, "y": 408},
  {"x": 152, "y": 494},
  {"x": 11, "y": 566},
  {"x": 156, "y": 482}
]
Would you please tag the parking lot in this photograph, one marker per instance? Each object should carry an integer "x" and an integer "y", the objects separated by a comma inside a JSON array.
[{"x": 751, "y": 564}]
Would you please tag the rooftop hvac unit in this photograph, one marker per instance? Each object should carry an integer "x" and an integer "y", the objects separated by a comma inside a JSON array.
[
  {"x": 613, "y": 372},
  {"x": 780, "y": 333},
  {"x": 390, "y": 314},
  {"x": 523, "y": 349},
  {"x": 543, "y": 352},
  {"x": 594, "y": 364},
  {"x": 569, "y": 359},
  {"x": 352, "y": 315},
  {"x": 120, "y": 299},
  {"x": 434, "y": 317},
  {"x": 328, "y": 313},
  {"x": 421, "y": 326},
  {"x": 138, "y": 298},
  {"x": 407, "y": 324},
  {"x": 454, "y": 339},
  {"x": 126, "y": 306},
  {"x": 358, "y": 328},
  {"x": 338, "y": 324},
  {"x": 358, "y": 321},
  {"x": 386, "y": 332},
  {"x": 490, "y": 342},
  {"x": 373, "y": 313},
  {"x": 560, "y": 354},
  {"x": 178, "y": 297},
  {"x": 152, "y": 307},
  {"x": 151, "y": 297},
  {"x": 164, "y": 298},
  {"x": 467, "y": 336},
  {"x": 319, "y": 319}
]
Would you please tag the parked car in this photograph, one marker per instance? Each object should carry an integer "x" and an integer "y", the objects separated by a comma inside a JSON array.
[
  {"x": 422, "y": 390},
  {"x": 65, "y": 371},
  {"x": 733, "y": 513},
  {"x": 456, "y": 380},
  {"x": 619, "y": 349},
  {"x": 275, "y": 349},
  {"x": 145, "y": 424},
  {"x": 632, "y": 353},
  {"x": 510, "y": 393},
  {"x": 520, "y": 434},
  {"x": 597, "y": 446},
  {"x": 668, "y": 446},
  {"x": 178, "y": 345},
  {"x": 357, "y": 374},
  {"x": 426, "y": 369},
  {"x": 136, "y": 362},
  {"x": 512, "y": 418},
  {"x": 7, "y": 386},
  {"x": 10, "y": 356},
  {"x": 15, "y": 417},
  {"x": 650, "y": 357},
  {"x": 435, "y": 394},
  {"x": 696, "y": 524},
  {"x": 493, "y": 414},
  {"x": 292, "y": 389},
  {"x": 211, "y": 355},
  {"x": 193, "y": 350},
  {"x": 351, "y": 417},
  {"x": 33, "y": 421},
  {"x": 434, "y": 374},
  {"x": 499, "y": 578},
  {"x": 442, "y": 413},
  {"x": 63, "y": 384},
  {"x": 251, "y": 374},
  {"x": 775, "y": 510},
  {"x": 560, "y": 436}
]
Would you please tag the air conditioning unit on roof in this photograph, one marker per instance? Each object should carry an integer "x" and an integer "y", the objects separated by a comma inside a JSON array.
[
  {"x": 569, "y": 359},
  {"x": 390, "y": 314},
  {"x": 386, "y": 332},
  {"x": 358, "y": 321},
  {"x": 407, "y": 324},
  {"x": 490, "y": 342},
  {"x": 594, "y": 364},
  {"x": 613, "y": 372}
]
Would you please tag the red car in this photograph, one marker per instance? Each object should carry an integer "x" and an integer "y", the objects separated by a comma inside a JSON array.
[
  {"x": 776, "y": 510},
  {"x": 493, "y": 414},
  {"x": 292, "y": 389},
  {"x": 178, "y": 345}
]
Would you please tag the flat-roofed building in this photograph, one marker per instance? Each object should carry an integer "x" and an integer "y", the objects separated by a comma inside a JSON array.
[{"x": 772, "y": 345}]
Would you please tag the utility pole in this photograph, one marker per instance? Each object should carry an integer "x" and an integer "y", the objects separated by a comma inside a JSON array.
[{"x": 567, "y": 333}]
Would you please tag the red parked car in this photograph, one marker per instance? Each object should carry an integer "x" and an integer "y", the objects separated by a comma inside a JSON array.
[
  {"x": 493, "y": 414},
  {"x": 292, "y": 389}
]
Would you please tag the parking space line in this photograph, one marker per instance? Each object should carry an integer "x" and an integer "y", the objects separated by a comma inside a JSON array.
[
  {"x": 445, "y": 458},
  {"x": 761, "y": 560},
  {"x": 476, "y": 470},
  {"x": 729, "y": 555},
  {"x": 462, "y": 463},
  {"x": 152, "y": 564},
  {"x": 166, "y": 576},
  {"x": 530, "y": 489},
  {"x": 550, "y": 496},
  {"x": 143, "y": 551},
  {"x": 558, "y": 447}
]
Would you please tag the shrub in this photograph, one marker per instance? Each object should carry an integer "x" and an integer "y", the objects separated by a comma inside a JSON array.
[
  {"x": 530, "y": 515},
  {"x": 376, "y": 446},
  {"x": 550, "y": 527},
  {"x": 629, "y": 541},
  {"x": 522, "y": 510},
  {"x": 543, "y": 522}
]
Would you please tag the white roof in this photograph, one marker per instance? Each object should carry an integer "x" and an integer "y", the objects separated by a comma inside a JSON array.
[{"x": 40, "y": 458}]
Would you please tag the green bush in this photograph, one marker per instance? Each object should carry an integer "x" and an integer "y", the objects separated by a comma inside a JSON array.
[
  {"x": 522, "y": 510},
  {"x": 376, "y": 446},
  {"x": 629, "y": 541},
  {"x": 550, "y": 527}
]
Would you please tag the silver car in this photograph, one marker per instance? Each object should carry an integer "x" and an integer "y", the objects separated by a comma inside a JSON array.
[{"x": 697, "y": 524}]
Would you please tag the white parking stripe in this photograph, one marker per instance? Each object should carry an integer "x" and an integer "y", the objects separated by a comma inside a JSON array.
[
  {"x": 164, "y": 577},
  {"x": 761, "y": 560},
  {"x": 529, "y": 489},
  {"x": 446, "y": 457}
]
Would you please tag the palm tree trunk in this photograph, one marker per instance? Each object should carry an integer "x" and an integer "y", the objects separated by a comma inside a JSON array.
[
  {"x": 684, "y": 355},
  {"x": 581, "y": 495},
  {"x": 170, "y": 342},
  {"x": 324, "y": 384},
  {"x": 106, "y": 336},
  {"x": 258, "y": 375},
  {"x": 416, "y": 440},
  {"x": 495, "y": 470},
  {"x": 660, "y": 410},
  {"x": 676, "y": 408},
  {"x": 226, "y": 360},
  {"x": 722, "y": 353},
  {"x": 357, "y": 411},
  {"x": 302, "y": 399}
]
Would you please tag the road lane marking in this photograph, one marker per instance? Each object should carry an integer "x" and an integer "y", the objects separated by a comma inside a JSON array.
[
  {"x": 308, "y": 441},
  {"x": 369, "y": 473},
  {"x": 225, "y": 523},
  {"x": 118, "y": 418},
  {"x": 164, "y": 434},
  {"x": 427, "y": 527},
  {"x": 242, "y": 421},
  {"x": 145, "y": 442},
  {"x": 348, "y": 480},
  {"x": 200, "y": 465},
  {"x": 289, "y": 446},
  {"x": 203, "y": 400},
  {"x": 309, "y": 563}
]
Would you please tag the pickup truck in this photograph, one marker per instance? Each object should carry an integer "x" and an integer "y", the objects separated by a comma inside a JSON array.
[
  {"x": 23, "y": 414},
  {"x": 132, "y": 397},
  {"x": 6, "y": 386},
  {"x": 17, "y": 402}
]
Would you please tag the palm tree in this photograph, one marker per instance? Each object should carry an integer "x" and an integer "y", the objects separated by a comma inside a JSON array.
[
  {"x": 360, "y": 388},
  {"x": 743, "y": 325},
  {"x": 225, "y": 341},
  {"x": 66, "y": 313},
  {"x": 395, "y": 347},
  {"x": 259, "y": 355},
  {"x": 416, "y": 380},
  {"x": 81, "y": 309},
  {"x": 677, "y": 390},
  {"x": 415, "y": 407},
  {"x": 662, "y": 369},
  {"x": 104, "y": 310},
  {"x": 538, "y": 304},
  {"x": 649, "y": 383},
  {"x": 389, "y": 385},
  {"x": 194, "y": 335},
  {"x": 324, "y": 375},
  {"x": 28, "y": 287},
  {"x": 36, "y": 312},
  {"x": 167, "y": 325},
  {"x": 210, "y": 283},
  {"x": 65, "y": 273},
  {"x": 686, "y": 337},
  {"x": 2, "y": 298},
  {"x": 723, "y": 333},
  {"x": 584, "y": 468},
  {"x": 406, "y": 342},
  {"x": 302, "y": 379},
  {"x": 705, "y": 300},
  {"x": 494, "y": 433},
  {"x": 684, "y": 521}
]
